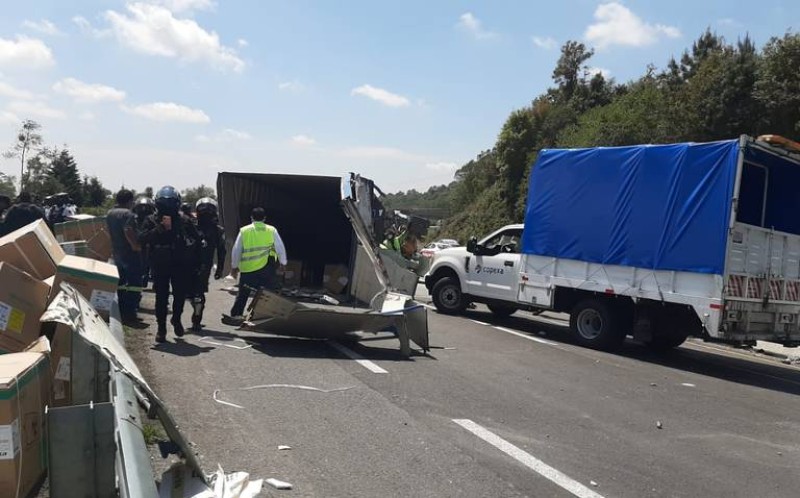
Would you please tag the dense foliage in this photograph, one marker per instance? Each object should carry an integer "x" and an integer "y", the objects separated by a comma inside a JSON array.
[{"x": 716, "y": 90}]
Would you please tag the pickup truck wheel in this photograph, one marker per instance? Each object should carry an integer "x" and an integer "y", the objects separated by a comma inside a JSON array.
[
  {"x": 595, "y": 324},
  {"x": 447, "y": 296},
  {"x": 501, "y": 311}
]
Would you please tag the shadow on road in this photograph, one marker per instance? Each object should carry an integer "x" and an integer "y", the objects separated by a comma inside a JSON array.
[
  {"x": 181, "y": 348},
  {"x": 708, "y": 363}
]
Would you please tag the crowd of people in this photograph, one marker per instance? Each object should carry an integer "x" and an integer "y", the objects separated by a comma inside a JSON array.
[
  {"x": 23, "y": 211},
  {"x": 175, "y": 245}
]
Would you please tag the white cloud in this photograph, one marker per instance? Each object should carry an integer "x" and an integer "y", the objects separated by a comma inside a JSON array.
[
  {"x": 24, "y": 52},
  {"x": 179, "y": 6},
  {"x": 592, "y": 71},
  {"x": 43, "y": 26},
  {"x": 385, "y": 97},
  {"x": 618, "y": 25},
  {"x": 291, "y": 86},
  {"x": 11, "y": 92},
  {"x": 7, "y": 117},
  {"x": 242, "y": 42},
  {"x": 379, "y": 153},
  {"x": 153, "y": 30},
  {"x": 226, "y": 135},
  {"x": 729, "y": 22},
  {"x": 35, "y": 109},
  {"x": 168, "y": 112},
  {"x": 547, "y": 43},
  {"x": 468, "y": 22},
  {"x": 303, "y": 140},
  {"x": 87, "y": 116},
  {"x": 86, "y": 27},
  {"x": 442, "y": 166},
  {"x": 88, "y": 92}
]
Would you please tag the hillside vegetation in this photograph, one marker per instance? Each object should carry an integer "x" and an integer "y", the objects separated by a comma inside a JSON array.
[{"x": 717, "y": 90}]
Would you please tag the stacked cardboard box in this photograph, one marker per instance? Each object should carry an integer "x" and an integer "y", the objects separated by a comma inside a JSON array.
[
  {"x": 292, "y": 275},
  {"x": 335, "y": 278},
  {"x": 24, "y": 393},
  {"x": 23, "y": 299},
  {"x": 93, "y": 231},
  {"x": 76, "y": 248},
  {"x": 32, "y": 249},
  {"x": 95, "y": 280}
]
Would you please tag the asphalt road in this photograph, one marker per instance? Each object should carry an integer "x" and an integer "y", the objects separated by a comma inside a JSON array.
[{"x": 515, "y": 411}]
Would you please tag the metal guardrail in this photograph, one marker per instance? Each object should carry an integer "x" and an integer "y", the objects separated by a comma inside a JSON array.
[{"x": 97, "y": 446}]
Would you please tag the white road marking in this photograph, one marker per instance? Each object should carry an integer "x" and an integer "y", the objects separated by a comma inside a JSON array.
[
  {"x": 525, "y": 336},
  {"x": 369, "y": 365},
  {"x": 528, "y": 460},
  {"x": 207, "y": 340},
  {"x": 478, "y": 322},
  {"x": 688, "y": 384}
]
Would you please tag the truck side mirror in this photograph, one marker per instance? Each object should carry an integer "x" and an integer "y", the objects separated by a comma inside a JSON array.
[{"x": 472, "y": 245}]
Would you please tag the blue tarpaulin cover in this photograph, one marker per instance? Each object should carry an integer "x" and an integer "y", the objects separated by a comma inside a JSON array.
[{"x": 662, "y": 207}]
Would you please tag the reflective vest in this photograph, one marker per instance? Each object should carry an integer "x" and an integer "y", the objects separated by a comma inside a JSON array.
[{"x": 258, "y": 245}]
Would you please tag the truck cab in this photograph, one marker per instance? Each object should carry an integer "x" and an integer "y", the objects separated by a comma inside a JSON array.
[{"x": 485, "y": 271}]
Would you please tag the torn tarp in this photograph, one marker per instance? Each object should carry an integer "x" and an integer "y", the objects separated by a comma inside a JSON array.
[{"x": 73, "y": 310}]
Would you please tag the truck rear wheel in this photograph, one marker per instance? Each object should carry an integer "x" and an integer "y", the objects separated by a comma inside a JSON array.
[
  {"x": 447, "y": 296},
  {"x": 596, "y": 324},
  {"x": 501, "y": 311}
]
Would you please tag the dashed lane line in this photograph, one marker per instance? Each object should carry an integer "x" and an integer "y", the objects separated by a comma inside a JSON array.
[
  {"x": 553, "y": 475},
  {"x": 369, "y": 365}
]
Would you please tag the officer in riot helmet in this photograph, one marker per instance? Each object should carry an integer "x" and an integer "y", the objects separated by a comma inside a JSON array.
[
  {"x": 143, "y": 208},
  {"x": 174, "y": 258},
  {"x": 213, "y": 242}
]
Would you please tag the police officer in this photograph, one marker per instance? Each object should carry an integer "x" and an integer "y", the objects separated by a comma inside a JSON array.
[
  {"x": 174, "y": 257},
  {"x": 213, "y": 237},
  {"x": 143, "y": 208}
]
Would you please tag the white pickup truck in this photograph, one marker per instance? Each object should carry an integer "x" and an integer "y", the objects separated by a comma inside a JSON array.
[{"x": 659, "y": 242}]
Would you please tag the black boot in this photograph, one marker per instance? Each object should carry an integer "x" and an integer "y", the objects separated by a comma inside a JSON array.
[
  {"x": 161, "y": 334},
  {"x": 179, "y": 330},
  {"x": 196, "y": 325}
]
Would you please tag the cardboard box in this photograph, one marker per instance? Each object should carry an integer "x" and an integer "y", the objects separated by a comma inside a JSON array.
[
  {"x": 23, "y": 299},
  {"x": 93, "y": 231},
  {"x": 76, "y": 248},
  {"x": 61, "y": 365},
  {"x": 33, "y": 249},
  {"x": 24, "y": 393},
  {"x": 95, "y": 280},
  {"x": 335, "y": 278},
  {"x": 292, "y": 275}
]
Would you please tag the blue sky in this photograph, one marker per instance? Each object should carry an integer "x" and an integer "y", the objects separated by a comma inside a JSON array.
[{"x": 155, "y": 92}]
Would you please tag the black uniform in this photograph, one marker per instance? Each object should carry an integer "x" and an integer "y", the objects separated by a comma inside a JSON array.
[
  {"x": 213, "y": 242},
  {"x": 174, "y": 260}
]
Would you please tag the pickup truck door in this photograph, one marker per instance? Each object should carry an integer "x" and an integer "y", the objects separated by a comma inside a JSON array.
[{"x": 494, "y": 271}]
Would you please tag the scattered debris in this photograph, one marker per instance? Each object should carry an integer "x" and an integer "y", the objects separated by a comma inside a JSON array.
[
  {"x": 207, "y": 340},
  {"x": 277, "y": 484},
  {"x": 780, "y": 453},
  {"x": 653, "y": 384},
  {"x": 269, "y": 386},
  {"x": 180, "y": 481},
  {"x": 594, "y": 484},
  {"x": 284, "y": 447},
  {"x": 688, "y": 384},
  {"x": 659, "y": 424}
]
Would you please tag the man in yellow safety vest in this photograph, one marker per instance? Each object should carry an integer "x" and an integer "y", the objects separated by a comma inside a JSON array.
[{"x": 255, "y": 257}]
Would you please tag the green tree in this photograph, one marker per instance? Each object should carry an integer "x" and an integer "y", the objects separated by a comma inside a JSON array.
[
  {"x": 94, "y": 194},
  {"x": 7, "y": 185},
  {"x": 28, "y": 140},
  {"x": 778, "y": 85},
  {"x": 571, "y": 68},
  {"x": 37, "y": 178},
  {"x": 65, "y": 171},
  {"x": 192, "y": 195}
]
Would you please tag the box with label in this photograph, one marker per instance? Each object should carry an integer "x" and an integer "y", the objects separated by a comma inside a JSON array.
[
  {"x": 95, "y": 280},
  {"x": 23, "y": 299},
  {"x": 61, "y": 365},
  {"x": 335, "y": 278},
  {"x": 93, "y": 231},
  {"x": 33, "y": 249},
  {"x": 76, "y": 248},
  {"x": 24, "y": 393},
  {"x": 292, "y": 275}
]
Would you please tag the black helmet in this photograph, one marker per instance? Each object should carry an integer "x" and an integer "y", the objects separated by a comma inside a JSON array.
[
  {"x": 186, "y": 208},
  {"x": 206, "y": 205},
  {"x": 144, "y": 206},
  {"x": 168, "y": 200}
]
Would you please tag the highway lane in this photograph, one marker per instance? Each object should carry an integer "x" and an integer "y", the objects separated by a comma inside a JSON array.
[{"x": 509, "y": 408}]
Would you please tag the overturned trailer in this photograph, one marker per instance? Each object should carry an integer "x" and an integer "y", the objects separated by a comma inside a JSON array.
[{"x": 337, "y": 283}]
